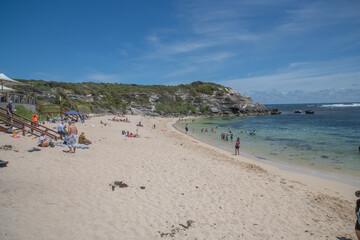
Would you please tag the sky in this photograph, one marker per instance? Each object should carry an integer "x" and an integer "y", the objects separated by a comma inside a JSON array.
[{"x": 273, "y": 51}]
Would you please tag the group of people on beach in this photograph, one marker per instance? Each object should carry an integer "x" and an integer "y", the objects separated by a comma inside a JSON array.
[
  {"x": 120, "y": 119},
  {"x": 224, "y": 136},
  {"x": 69, "y": 133}
]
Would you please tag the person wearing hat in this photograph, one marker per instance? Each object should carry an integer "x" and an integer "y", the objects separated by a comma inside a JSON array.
[
  {"x": 83, "y": 139},
  {"x": 9, "y": 109},
  {"x": 357, "y": 212}
]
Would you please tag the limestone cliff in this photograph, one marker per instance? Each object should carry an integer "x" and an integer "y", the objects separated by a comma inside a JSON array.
[{"x": 197, "y": 98}]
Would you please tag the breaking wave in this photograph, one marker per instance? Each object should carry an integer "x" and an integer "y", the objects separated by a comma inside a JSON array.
[{"x": 341, "y": 105}]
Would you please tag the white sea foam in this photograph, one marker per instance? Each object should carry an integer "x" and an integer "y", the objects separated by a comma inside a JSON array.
[{"x": 341, "y": 105}]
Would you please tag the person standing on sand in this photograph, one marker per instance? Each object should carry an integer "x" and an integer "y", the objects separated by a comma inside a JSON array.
[
  {"x": 237, "y": 146},
  {"x": 61, "y": 129},
  {"x": 72, "y": 132},
  {"x": 9, "y": 109},
  {"x": 186, "y": 128},
  {"x": 35, "y": 118},
  {"x": 357, "y": 212}
]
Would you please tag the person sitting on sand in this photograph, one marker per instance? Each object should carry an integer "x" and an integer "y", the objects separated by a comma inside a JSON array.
[
  {"x": 140, "y": 125},
  {"x": 43, "y": 141},
  {"x": 83, "y": 139},
  {"x": 72, "y": 132},
  {"x": 61, "y": 129},
  {"x": 357, "y": 212},
  {"x": 135, "y": 135}
]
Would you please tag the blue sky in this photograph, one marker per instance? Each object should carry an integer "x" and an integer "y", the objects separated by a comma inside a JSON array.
[{"x": 273, "y": 51}]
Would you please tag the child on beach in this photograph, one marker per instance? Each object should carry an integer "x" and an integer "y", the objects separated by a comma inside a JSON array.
[{"x": 237, "y": 146}]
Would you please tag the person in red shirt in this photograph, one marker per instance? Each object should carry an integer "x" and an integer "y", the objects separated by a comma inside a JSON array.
[{"x": 35, "y": 118}]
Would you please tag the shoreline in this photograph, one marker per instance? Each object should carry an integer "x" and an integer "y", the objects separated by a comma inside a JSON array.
[
  {"x": 176, "y": 187},
  {"x": 317, "y": 178}
]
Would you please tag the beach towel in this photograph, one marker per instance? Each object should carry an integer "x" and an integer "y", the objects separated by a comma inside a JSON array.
[
  {"x": 82, "y": 147},
  {"x": 72, "y": 141}
]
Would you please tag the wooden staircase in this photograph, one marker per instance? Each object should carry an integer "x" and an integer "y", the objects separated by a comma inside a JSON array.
[
  {"x": 54, "y": 109},
  {"x": 25, "y": 125}
]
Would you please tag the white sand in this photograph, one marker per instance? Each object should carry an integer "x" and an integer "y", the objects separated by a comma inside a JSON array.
[{"x": 192, "y": 191}]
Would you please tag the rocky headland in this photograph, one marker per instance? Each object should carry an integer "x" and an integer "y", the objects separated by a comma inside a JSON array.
[{"x": 195, "y": 99}]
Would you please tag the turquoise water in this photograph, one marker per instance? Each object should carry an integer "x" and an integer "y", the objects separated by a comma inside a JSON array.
[{"x": 327, "y": 141}]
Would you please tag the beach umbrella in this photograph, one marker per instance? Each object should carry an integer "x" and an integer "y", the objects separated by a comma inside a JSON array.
[
  {"x": 8, "y": 81},
  {"x": 7, "y": 89}
]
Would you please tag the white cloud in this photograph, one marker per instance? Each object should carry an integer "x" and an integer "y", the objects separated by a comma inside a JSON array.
[
  {"x": 304, "y": 76},
  {"x": 322, "y": 96},
  {"x": 215, "y": 57}
]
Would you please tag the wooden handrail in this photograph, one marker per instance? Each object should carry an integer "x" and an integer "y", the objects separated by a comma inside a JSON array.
[
  {"x": 31, "y": 122},
  {"x": 33, "y": 128},
  {"x": 13, "y": 125},
  {"x": 62, "y": 110}
]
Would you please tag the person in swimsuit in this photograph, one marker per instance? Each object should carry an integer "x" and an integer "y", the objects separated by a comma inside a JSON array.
[
  {"x": 237, "y": 146},
  {"x": 186, "y": 129},
  {"x": 43, "y": 141},
  {"x": 357, "y": 212},
  {"x": 72, "y": 132}
]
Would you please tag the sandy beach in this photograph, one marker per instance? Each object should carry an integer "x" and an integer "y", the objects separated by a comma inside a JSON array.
[{"x": 177, "y": 188}]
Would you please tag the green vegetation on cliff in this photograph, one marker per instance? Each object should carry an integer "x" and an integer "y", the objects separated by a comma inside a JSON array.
[{"x": 90, "y": 96}]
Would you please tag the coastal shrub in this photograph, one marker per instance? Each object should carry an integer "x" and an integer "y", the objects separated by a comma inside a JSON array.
[
  {"x": 161, "y": 107},
  {"x": 21, "y": 110},
  {"x": 143, "y": 99},
  {"x": 124, "y": 106},
  {"x": 204, "y": 109},
  {"x": 198, "y": 100},
  {"x": 107, "y": 105},
  {"x": 191, "y": 108},
  {"x": 219, "y": 94}
]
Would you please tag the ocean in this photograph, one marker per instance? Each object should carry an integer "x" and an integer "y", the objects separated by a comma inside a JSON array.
[{"x": 325, "y": 143}]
